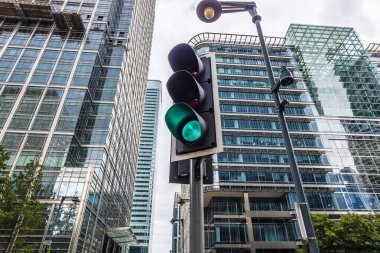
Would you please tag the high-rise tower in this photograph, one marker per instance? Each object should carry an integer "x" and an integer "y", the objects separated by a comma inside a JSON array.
[
  {"x": 72, "y": 82},
  {"x": 374, "y": 51},
  {"x": 333, "y": 121},
  {"x": 141, "y": 221}
]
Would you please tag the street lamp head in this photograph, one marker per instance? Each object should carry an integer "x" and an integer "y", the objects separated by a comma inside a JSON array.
[
  {"x": 286, "y": 77},
  {"x": 182, "y": 201},
  {"x": 172, "y": 221},
  {"x": 209, "y": 10}
]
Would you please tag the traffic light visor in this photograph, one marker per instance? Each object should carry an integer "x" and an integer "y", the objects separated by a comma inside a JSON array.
[
  {"x": 183, "y": 87},
  {"x": 183, "y": 57},
  {"x": 185, "y": 124}
]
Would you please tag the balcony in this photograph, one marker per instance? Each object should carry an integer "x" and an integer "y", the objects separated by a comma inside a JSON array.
[
  {"x": 266, "y": 236},
  {"x": 40, "y": 10}
]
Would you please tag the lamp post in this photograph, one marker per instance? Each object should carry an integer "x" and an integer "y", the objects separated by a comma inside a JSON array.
[
  {"x": 74, "y": 199},
  {"x": 209, "y": 11}
]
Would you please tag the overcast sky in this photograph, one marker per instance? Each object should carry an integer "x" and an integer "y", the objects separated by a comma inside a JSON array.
[{"x": 176, "y": 22}]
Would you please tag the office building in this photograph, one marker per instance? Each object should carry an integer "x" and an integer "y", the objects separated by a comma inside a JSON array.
[
  {"x": 73, "y": 75},
  {"x": 141, "y": 221},
  {"x": 177, "y": 224},
  {"x": 374, "y": 51},
  {"x": 333, "y": 118}
]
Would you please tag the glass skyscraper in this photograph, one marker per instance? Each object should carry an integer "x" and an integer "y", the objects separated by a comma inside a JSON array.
[
  {"x": 73, "y": 75},
  {"x": 141, "y": 221},
  {"x": 333, "y": 122},
  {"x": 374, "y": 51}
]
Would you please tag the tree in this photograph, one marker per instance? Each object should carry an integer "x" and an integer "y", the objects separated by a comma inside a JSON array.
[
  {"x": 4, "y": 182},
  {"x": 20, "y": 209},
  {"x": 358, "y": 233},
  {"x": 353, "y": 233}
]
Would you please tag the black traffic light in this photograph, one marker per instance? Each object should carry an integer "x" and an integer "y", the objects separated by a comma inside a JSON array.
[{"x": 193, "y": 118}]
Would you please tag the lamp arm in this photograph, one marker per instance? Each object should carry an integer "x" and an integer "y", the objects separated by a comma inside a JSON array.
[
  {"x": 233, "y": 10},
  {"x": 231, "y": 7},
  {"x": 237, "y": 4}
]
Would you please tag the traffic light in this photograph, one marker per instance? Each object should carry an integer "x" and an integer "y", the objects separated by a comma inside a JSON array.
[{"x": 194, "y": 119}]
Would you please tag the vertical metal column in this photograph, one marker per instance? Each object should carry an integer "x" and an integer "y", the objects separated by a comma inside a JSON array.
[
  {"x": 197, "y": 241},
  {"x": 248, "y": 221},
  {"x": 288, "y": 144}
]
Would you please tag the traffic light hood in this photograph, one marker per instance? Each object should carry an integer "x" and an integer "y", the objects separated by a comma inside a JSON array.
[
  {"x": 183, "y": 57},
  {"x": 185, "y": 124},
  {"x": 183, "y": 87}
]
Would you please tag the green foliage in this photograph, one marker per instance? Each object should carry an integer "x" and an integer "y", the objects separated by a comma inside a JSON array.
[
  {"x": 353, "y": 233},
  {"x": 20, "y": 209},
  {"x": 359, "y": 232},
  {"x": 325, "y": 229}
]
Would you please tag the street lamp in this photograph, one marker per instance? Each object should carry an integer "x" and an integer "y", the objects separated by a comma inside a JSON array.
[
  {"x": 76, "y": 200},
  {"x": 209, "y": 11}
]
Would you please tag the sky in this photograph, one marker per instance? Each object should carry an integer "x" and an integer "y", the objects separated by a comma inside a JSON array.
[{"x": 176, "y": 22}]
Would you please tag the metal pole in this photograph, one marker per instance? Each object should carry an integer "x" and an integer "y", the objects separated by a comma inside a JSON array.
[
  {"x": 288, "y": 144},
  {"x": 197, "y": 241}
]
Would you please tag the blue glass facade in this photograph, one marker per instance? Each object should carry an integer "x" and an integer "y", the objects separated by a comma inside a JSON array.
[
  {"x": 141, "y": 220},
  {"x": 72, "y": 95},
  {"x": 333, "y": 126}
]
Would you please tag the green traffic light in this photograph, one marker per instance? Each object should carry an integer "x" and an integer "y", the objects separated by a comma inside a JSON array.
[
  {"x": 192, "y": 131},
  {"x": 185, "y": 124}
]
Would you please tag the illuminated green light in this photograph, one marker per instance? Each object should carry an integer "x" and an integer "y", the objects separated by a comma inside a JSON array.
[
  {"x": 185, "y": 124},
  {"x": 192, "y": 131}
]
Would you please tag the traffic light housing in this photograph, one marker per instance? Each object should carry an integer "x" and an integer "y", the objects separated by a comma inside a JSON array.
[{"x": 194, "y": 119}]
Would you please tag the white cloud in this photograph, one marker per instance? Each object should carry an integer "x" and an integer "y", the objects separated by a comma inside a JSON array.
[{"x": 176, "y": 22}]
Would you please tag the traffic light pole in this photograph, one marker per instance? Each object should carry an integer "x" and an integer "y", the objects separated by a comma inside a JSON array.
[
  {"x": 197, "y": 241},
  {"x": 288, "y": 144}
]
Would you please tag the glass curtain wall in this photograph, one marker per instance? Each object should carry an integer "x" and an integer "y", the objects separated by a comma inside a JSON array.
[
  {"x": 141, "y": 221},
  {"x": 66, "y": 97},
  {"x": 335, "y": 146}
]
